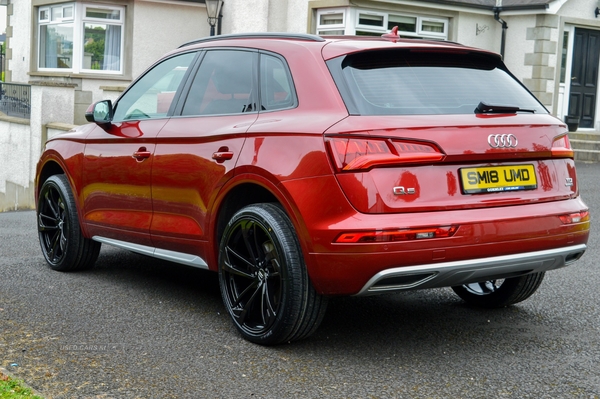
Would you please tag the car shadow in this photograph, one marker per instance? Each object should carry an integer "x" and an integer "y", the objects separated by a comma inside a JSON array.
[
  {"x": 156, "y": 275},
  {"x": 406, "y": 323},
  {"x": 431, "y": 322}
]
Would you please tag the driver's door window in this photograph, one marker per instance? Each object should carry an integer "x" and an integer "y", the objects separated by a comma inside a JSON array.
[{"x": 152, "y": 95}]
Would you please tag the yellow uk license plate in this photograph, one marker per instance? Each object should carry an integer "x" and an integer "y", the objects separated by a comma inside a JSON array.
[{"x": 491, "y": 179}]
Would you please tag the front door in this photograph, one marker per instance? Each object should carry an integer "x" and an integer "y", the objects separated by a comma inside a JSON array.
[
  {"x": 117, "y": 167},
  {"x": 584, "y": 76}
]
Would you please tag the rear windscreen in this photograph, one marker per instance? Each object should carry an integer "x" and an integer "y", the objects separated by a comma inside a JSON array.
[{"x": 405, "y": 82}]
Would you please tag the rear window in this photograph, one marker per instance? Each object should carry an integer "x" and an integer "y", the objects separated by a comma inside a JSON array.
[{"x": 405, "y": 82}]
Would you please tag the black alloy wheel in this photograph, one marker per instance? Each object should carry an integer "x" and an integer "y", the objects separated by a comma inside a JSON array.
[
  {"x": 63, "y": 245},
  {"x": 263, "y": 278},
  {"x": 500, "y": 293}
]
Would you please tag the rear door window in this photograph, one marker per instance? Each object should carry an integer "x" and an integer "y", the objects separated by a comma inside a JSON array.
[
  {"x": 225, "y": 84},
  {"x": 276, "y": 87},
  {"x": 405, "y": 82}
]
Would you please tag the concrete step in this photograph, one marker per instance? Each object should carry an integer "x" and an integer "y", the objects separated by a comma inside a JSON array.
[
  {"x": 586, "y": 146},
  {"x": 582, "y": 135},
  {"x": 587, "y": 155}
]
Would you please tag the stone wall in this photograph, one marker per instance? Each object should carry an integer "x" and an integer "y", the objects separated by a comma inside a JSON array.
[
  {"x": 543, "y": 59},
  {"x": 21, "y": 142},
  {"x": 15, "y": 179}
]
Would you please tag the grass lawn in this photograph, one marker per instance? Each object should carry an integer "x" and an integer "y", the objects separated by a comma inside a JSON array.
[{"x": 14, "y": 389}]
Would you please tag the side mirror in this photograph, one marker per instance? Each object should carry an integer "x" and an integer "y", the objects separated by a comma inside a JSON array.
[{"x": 101, "y": 113}]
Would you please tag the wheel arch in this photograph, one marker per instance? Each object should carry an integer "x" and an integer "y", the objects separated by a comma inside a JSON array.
[
  {"x": 237, "y": 197},
  {"x": 248, "y": 190},
  {"x": 54, "y": 166},
  {"x": 49, "y": 168}
]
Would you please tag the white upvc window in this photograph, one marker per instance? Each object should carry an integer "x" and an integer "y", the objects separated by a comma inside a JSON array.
[
  {"x": 433, "y": 27},
  {"x": 331, "y": 21},
  {"x": 79, "y": 37},
  {"x": 371, "y": 20},
  {"x": 357, "y": 21}
]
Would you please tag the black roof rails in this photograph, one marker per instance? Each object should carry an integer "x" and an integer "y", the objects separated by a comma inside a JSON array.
[{"x": 257, "y": 35}]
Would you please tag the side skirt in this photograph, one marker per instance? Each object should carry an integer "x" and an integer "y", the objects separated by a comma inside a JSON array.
[{"x": 171, "y": 256}]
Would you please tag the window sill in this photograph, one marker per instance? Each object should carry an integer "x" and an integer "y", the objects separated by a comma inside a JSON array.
[
  {"x": 81, "y": 76},
  {"x": 51, "y": 83},
  {"x": 13, "y": 119},
  {"x": 119, "y": 89}
]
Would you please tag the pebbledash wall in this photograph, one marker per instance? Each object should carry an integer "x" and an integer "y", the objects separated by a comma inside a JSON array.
[
  {"x": 21, "y": 141},
  {"x": 534, "y": 53}
]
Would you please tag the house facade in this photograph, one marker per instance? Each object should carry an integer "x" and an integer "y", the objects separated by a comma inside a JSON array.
[
  {"x": 553, "y": 47},
  {"x": 99, "y": 47},
  {"x": 76, "y": 52}
]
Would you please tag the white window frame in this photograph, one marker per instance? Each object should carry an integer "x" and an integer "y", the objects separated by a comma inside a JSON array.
[
  {"x": 49, "y": 9},
  {"x": 47, "y": 12},
  {"x": 384, "y": 18},
  {"x": 49, "y": 21},
  {"x": 424, "y": 33},
  {"x": 351, "y": 18},
  {"x": 326, "y": 28},
  {"x": 61, "y": 7},
  {"x": 120, "y": 22},
  {"x": 78, "y": 18},
  {"x": 63, "y": 18}
]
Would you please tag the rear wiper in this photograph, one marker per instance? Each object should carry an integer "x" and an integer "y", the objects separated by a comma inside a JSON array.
[{"x": 483, "y": 108}]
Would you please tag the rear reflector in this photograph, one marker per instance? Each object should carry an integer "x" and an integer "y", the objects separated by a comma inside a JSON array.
[
  {"x": 577, "y": 217},
  {"x": 396, "y": 235},
  {"x": 352, "y": 154}
]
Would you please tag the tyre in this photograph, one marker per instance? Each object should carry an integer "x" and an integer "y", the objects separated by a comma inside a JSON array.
[
  {"x": 500, "y": 293},
  {"x": 263, "y": 278},
  {"x": 63, "y": 245}
]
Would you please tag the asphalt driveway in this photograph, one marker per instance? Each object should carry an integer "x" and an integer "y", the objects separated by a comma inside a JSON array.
[{"x": 136, "y": 327}]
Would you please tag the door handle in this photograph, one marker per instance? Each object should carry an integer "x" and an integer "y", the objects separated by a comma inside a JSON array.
[
  {"x": 141, "y": 154},
  {"x": 222, "y": 155}
]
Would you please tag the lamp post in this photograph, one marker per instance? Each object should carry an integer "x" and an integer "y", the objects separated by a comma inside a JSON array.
[{"x": 212, "y": 10}]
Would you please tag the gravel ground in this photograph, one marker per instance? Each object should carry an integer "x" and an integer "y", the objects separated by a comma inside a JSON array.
[{"x": 135, "y": 327}]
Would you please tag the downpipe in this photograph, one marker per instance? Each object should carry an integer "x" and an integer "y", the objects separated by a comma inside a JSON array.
[{"x": 504, "y": 28}]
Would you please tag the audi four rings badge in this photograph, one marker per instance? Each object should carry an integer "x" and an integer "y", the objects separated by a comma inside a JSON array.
[{"x": 502, "y": 140}]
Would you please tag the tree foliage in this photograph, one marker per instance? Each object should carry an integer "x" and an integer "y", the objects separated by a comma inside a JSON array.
[{"x": 94, "y": 44}]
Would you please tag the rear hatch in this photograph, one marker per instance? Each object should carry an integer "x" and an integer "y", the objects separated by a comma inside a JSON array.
[{"x": 443, "y": 128}]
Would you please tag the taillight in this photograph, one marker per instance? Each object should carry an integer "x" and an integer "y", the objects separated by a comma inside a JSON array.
[
  {"x": 396, "y": 235},
  {"x": 561, "y": 147},
  {"x": 351, "y": 153},
  {"x": 577, "y": 217}
]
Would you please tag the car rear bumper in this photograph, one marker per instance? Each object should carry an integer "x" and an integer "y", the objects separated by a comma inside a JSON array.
[
  {"x": 494, "y": 242},
  {"x": 469, "y": 271}
]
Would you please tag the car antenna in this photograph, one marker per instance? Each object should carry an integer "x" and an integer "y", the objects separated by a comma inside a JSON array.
[{"x": 393, "y": 35}]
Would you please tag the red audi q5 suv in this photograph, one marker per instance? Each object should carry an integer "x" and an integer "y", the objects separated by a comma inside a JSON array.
[{"x": 300, "y": 167}]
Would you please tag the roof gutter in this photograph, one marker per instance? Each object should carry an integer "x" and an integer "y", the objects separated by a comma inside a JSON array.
[
  {"x": 504, "y": 28},
  {"x": 486, "y": 6}
]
